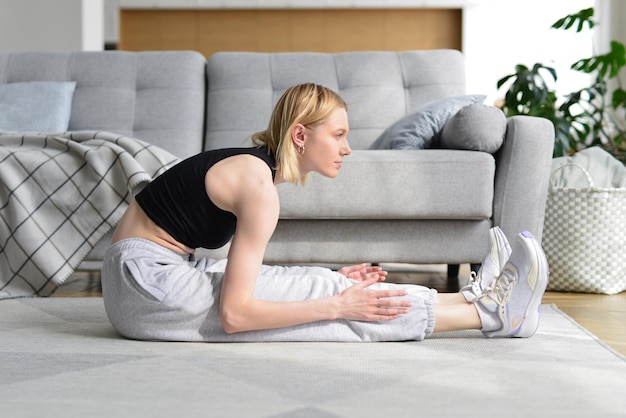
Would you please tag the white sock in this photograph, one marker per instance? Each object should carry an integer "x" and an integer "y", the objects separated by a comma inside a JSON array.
[{"x": 487, "y": 312}]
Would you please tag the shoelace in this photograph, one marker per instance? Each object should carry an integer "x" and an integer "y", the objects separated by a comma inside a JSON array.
[
  {"x": 475, "y": 280},
  {"x": 502, "y": 287}
]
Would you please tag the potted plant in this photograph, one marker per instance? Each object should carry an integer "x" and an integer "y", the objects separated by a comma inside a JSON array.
[{"x": 583, "y": 118}]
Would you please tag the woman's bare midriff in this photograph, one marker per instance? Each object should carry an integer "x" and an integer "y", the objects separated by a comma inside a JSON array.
[{"x": 136, "y": 224}]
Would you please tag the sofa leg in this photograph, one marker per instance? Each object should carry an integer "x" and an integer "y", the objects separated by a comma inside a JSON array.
[
  {"x": 475, "y": 267},
  {"x": 453, "y": 278},
  {"x": 453, "y": 270}
]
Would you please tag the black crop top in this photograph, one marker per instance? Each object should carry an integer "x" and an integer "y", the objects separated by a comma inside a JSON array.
[{"x": 177, "y": 200}]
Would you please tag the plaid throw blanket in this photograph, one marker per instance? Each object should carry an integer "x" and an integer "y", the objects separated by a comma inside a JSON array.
[{"x": 59, "y": 195}]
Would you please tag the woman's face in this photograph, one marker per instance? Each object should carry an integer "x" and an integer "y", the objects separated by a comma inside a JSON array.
[{"x": 326, "y": 144}]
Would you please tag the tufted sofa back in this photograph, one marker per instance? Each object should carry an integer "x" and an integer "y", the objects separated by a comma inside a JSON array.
[
  {"x": 379, "y": 87},
  {"x": 155, "y": 96}
]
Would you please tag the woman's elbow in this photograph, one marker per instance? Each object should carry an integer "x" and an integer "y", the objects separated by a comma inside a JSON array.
[{"x": 232, "y": 322}]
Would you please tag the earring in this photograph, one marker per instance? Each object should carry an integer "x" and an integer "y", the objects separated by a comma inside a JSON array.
[{"x": 301, "y": 150}]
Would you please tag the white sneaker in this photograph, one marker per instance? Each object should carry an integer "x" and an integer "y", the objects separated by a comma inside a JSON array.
[
  {"x": 489, "y": 271},
  {"x": 511, "y": 308}
]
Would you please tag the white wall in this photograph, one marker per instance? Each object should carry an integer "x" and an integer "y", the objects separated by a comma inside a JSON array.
[
  {"x": 498, "y": 34},
  {"x": 612, "y": 14},
  {"x": 62, "y": 25}
]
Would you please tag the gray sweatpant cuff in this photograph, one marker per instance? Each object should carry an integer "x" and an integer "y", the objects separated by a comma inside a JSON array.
[{"x": 430, "y": 311}]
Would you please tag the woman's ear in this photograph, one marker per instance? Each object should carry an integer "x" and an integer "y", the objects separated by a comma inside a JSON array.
[{"x": 297, "y": 135}]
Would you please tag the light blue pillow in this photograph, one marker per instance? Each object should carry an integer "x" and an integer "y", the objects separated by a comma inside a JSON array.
[
  {"x": 38, "y": 106},
  {"x": 421, "y": 129}
]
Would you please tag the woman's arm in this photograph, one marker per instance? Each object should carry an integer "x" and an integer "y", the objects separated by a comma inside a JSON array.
[{"x": 253, "y": 198}]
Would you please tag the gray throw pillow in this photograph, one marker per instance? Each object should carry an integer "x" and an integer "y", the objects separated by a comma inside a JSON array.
[
  {"x": 38, "y": 106},
  {"x": 476, "y": 127},
  {"x": 421, "y": 129}
]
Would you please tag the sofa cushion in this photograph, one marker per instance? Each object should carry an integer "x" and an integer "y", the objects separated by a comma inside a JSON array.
[
  {"x": 420, "y": 129},
  {"x": 398, "y": 184},
  {"x": 379, "y": 87},
  {"x": 37, "y": 106},
  {"x": 157, "y": 96},
  {"x": 475, "y": 127}
]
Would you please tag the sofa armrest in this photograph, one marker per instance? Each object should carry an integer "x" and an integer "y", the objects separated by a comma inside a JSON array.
[{"x": 523, "y": 166}]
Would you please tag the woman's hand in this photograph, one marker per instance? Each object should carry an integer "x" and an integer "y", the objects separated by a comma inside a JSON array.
[
  {"x": 362, "y": 272},
  {"x": 359, "y": 303}
]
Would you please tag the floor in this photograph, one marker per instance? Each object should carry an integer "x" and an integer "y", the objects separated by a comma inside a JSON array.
[{"x": 603, "y": 315}]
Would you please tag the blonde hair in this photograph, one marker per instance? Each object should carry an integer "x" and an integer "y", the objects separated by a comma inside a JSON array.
[{"x": 308, "y": 104}]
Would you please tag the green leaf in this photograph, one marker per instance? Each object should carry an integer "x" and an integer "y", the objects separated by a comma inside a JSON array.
[
  {"x": 618, "y": 99},
  {"x": 529, "y": 94},
  {"x": 581, "y": 18},
  {"x": 610, "y": 63},
  {"x": 503, "y": 80}
]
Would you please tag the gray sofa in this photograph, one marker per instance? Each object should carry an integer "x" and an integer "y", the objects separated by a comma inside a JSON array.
[{"x": 409, "y": 206}]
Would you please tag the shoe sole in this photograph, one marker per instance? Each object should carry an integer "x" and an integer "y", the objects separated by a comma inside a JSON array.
[{"x": 532, "y": 313}]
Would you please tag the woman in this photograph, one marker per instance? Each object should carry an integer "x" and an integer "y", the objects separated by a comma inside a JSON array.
[{"x": 153, "y": 288}]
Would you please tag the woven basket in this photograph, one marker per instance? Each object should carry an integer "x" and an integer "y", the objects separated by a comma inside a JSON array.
[{"x": 585, "y": 237}]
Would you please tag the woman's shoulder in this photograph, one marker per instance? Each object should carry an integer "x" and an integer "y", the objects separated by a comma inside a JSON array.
[
  {"x": 241, "y": 177},
  {"x": 245, "y": 166}
]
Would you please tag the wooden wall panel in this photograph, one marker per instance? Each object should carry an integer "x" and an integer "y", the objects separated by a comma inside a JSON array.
[{"x": 272, "y": 30}]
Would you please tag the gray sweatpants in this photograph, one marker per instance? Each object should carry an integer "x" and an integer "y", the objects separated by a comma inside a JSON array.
[{"x": 153, "y": 293}]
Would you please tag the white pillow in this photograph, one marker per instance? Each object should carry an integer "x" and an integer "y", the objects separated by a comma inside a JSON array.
[{"x": 38, "y": 106}]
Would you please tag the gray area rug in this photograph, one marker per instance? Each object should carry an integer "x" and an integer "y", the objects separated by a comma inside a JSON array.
[{"x": 59, "y": 357}]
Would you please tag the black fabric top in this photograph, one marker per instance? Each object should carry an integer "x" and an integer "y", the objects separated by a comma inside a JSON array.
[{"x": 177, "y": 200}]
